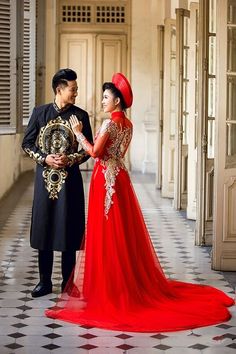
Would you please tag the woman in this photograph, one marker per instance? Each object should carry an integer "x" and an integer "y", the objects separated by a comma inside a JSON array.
[{"x": 118, "y": 282}]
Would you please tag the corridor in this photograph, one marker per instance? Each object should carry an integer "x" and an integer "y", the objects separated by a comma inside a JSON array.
[{"x": 24, "y": 329}]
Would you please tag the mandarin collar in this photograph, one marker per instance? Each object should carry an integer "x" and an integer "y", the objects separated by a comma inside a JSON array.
[
  {"x": 117, "y": 114},
  {"x": 59, "y": 110}
]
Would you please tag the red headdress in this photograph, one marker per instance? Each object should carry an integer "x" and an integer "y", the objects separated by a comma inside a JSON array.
[{"x": 123, "y": 85}]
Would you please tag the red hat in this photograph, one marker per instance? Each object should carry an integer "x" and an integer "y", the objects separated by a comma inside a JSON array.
[{"x": 123, "y": 85}]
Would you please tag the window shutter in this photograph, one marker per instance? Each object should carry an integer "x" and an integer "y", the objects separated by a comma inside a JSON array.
[
  {"x": 5, "y": 71},
  {"x": 29, "y": 48}
]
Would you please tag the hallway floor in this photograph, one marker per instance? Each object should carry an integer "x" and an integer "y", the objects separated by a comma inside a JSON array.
[{"x": 24, "y": 329}]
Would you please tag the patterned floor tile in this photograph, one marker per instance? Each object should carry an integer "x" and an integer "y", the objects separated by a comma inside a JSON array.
[{"x": 24, "y": 329}]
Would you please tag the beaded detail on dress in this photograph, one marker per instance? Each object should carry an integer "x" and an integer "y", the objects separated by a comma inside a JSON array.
[
  {"x": 119, "y": 137},
  {"x": 112, "y": 161}
]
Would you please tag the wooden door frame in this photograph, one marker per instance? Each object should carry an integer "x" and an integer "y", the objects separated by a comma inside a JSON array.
[
  {"x": 179, "y": 158},
  {"x": 224, "y": 231},
  {"x": 168, "y": 148}
]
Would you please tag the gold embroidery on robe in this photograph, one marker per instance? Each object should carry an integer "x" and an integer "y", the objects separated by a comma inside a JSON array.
[
  {"x": 35, "y": 156},
  {"x": 56, "y": 137},
  {"x": 54, "y": 180}
]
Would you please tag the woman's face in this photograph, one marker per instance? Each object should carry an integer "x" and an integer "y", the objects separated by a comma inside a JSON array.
[{"x": 109, "y": 101}]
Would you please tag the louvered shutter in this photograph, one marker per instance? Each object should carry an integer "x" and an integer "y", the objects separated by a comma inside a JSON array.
[
  {"x": 29, "y": 56},
  {"x": 5, "y": 69}
]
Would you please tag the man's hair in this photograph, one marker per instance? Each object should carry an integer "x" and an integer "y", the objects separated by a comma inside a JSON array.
[{"x": 62, "y": 77}]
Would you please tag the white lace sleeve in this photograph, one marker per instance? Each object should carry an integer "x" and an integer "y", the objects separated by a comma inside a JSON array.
[{"x": 104, "y": 127}]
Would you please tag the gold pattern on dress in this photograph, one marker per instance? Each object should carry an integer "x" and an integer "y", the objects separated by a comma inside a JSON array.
[
  {"x": 56, "y": 137},
  {"x": 112, "y": 161},
  {"x": 35, "y": 156},
  {"x": 120, "y": 139},
  {"x": 110, "y": 172},
  {"x": 54, "y": 180}
]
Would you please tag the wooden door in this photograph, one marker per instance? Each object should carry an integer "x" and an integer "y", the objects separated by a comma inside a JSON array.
[
  {"x": 94, "y": 57},
  {"x": 224, "y": 233},
  {"x": 169, "y": 94}
]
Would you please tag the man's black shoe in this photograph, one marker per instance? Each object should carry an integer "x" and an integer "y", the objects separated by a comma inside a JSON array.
[{"x": 42, "y": 289}]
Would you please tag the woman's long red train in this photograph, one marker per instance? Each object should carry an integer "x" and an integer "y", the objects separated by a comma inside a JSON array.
[{"x": 120, "y": 285}]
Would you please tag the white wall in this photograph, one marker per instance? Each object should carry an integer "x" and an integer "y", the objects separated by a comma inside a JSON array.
[
  {"x": 146, "y": 15},
  {"x": 12, "y": 161}
]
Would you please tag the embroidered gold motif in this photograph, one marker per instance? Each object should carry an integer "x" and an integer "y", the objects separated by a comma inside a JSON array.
[
  {"x": 76, "y": 157},
  {"x": 113, "y": 161},
  {"x": 54, "y": 180},
  {"x": 110, "y": 171},
  {"x": 35, "y": 156},
  {"x": 56, "y": 137}
]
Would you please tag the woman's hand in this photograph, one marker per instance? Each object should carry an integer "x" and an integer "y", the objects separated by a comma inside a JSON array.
[{"x": 76, "y": 124}]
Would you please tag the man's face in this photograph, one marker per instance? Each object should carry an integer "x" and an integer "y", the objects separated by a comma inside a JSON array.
[{"x": 68, "y": 93}]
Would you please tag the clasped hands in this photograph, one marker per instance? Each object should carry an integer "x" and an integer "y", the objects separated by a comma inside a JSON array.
[
  {"x": 61, "y": 160},
  {"x": 57, "y": 160}
]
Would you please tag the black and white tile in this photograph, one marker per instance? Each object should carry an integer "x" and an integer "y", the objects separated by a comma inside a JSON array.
[{"x": 24, "y": 329}]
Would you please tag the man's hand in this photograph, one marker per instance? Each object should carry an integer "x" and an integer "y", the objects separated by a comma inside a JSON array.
[{"x": 57, "y": 160}]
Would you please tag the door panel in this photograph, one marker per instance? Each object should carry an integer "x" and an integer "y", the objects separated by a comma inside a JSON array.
[
  {"x": 94, "y": 58},
  {"x": 111, "y": 58},
  {"x": 169, "y": 94},
  {"x": 224, "y": 233},
  {"x": 206, "y": 122},
  {"x": 77, "y": 52},
  {"x": 182, "y": 113},
  {"x": 160, "y": 51},
  {"x": 193, "y": 110}
]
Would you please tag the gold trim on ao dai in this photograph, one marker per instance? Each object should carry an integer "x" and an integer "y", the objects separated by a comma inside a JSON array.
[
  {"x": 56, "y": 137},
  {"x": 113, "y": 160}
]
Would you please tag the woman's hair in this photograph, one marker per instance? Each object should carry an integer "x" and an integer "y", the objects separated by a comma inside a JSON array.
[
  {"x": 62, "y": 77},
  {"x": 117, "y": 94}
]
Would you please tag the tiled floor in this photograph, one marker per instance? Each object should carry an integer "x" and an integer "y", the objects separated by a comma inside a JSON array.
[{"x": 25, "y": 330}]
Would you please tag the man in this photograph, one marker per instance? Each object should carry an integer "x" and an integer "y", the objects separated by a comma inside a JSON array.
[{"x": 58, "y": 191}]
